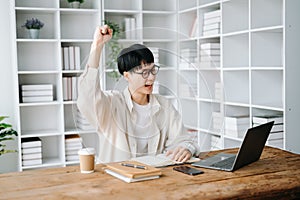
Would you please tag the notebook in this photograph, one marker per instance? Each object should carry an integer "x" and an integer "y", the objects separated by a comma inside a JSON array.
[{"x": 249, "y": 152}]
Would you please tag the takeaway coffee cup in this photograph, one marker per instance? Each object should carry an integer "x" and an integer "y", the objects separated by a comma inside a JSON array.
[{"x": 87, "y": 160}]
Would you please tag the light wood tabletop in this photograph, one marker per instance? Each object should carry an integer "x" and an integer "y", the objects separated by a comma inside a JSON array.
[{"x": 275, "y": 176}]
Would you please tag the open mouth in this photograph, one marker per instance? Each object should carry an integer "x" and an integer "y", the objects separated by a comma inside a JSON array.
[{"x": 148, "y": 85}]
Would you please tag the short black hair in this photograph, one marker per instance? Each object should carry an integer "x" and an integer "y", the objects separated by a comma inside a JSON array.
[{"x": 133, "y": 56}]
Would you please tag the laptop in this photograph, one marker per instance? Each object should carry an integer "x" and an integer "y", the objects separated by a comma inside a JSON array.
[{"x": 249, "y": 152}]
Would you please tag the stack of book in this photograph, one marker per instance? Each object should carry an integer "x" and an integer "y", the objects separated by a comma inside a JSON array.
[
  {"x": 155, "y": 52},
  {"x": 31, "y": 151},
  {"x": 132, "y": 171},
  {"x": 70, "y": 88},
  {"x": 82, "y": 123},
  {"x": 210, "y": 55},
  {"x": 187, "y": 56},
  {"x": 37, "y": 93},
  {"x": 73, "y": 144},
  {"x": 71, "y": 58},
  {"x": 276, "y": 134},
  {"x": 130, "y": 28},
  {"x": 211, "y": 23},
  {"x": 236, "y": 126},
  {"x": 217, "y": 120}
]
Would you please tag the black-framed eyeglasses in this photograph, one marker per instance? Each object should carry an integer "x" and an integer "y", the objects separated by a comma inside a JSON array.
[{"x": 146, "y": 72}]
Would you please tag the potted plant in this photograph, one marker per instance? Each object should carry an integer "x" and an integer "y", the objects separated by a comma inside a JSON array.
[
  {"x": 33, "y": 25},
  {"x": 114, "y": 49},
  {"x": 6, "y": 133},
  {"x": 75, "y": 3}
]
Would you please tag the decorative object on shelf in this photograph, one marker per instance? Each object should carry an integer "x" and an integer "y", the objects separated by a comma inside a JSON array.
[
  {"x": 6, "y": 133},
  {"x": 33, "y": 25},
  {"x": 114, "y": 49},
  {"x": 75, "y": 3}
]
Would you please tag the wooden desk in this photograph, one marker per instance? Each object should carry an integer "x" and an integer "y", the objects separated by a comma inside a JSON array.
[{"x": 275, "y": 176}]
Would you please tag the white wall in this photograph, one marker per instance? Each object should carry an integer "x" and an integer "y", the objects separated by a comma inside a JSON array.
[{"x": 8, "y": 162}]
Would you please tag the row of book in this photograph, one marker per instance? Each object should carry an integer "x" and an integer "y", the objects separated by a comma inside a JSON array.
[
  {"x": 130, "y": 27},
  {"x": 209, "y": 56},
  {"x": 31, "y": 151},
  {"x": 37, "y": 93},
  {"x": 71, "y": 58},
  {"x": 70, "y": 91},
  {"x": 73, "y": 143},
  {"x": 211, "y": 23}
]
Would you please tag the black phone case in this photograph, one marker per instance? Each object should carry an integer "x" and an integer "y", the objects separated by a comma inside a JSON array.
[{"x": 188, "y": 170}]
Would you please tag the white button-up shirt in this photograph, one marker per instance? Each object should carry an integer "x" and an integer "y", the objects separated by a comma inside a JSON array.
[{"x": 111, "y": 112}]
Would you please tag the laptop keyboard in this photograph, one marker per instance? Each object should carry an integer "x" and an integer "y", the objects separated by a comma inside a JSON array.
[{"x": 226, "y": 163}]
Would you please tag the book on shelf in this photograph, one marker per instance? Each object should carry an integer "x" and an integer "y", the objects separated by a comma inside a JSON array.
[
  {"x": 275, "y": 135},
  {"x": 211, "y": 27},
  {"x": 36, "y": 87},
  {"x": 237, "y": 119},
  {"x": 211, "y": 32},
  {"x": 210, "y": 21},
  {"x": 70, "y": 91},
  {"x": 210, "y": 58},
  {"x": 210, "y": 45},
  {"x": 194, "y": 27},
  {"x": 210, "y": 52},
  {"x": 31, "y": 150},
  {"x": 130, "y": 27},
  {"x": 262, "y": 119},
  {"x": 31, "y": 142},
  {"x": 32, "y": 162},
  {"x": 160, "y": 160},
  {"x": 71, "y": 57},
  {"x": 132, "y": 171},
  {"x": 27, "y": 93},
  {"x": 239, "y": 132},
  {"x": 37, "y": 99},
  {"x": 212, "y": 14},
  {"x": 30, "y": 156},
  {"x": 72, "y": 157}
]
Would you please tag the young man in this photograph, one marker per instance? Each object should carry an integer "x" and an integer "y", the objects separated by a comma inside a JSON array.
[{"x": 133, "y": 122}]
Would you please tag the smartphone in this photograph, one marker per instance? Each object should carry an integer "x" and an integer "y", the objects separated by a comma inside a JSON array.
[{"x": 188, "y": 170}]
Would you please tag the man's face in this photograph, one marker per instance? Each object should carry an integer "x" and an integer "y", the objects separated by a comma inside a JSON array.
[{"x": 141, "y": 80}]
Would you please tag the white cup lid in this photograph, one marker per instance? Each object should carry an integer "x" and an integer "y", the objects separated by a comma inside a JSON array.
[{"x": 87, "y": 151}]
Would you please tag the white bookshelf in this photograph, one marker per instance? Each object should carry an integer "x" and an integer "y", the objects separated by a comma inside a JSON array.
[
  {"x": 256, "y": 68},
  {"x": 39, "y": 61}
]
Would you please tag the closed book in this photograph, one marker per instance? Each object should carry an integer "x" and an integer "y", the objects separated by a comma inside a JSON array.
[
  {"x": 211, "y": 26},
  {"x": 77, "y": 57},
  {"x": 262, "y": 119},
  {"x": 73, "y": 147},
  {"x": 239, "y": 133},
  {"x": 127, "y": 179},
  {"x": 37, "y": 87},
  {"x": 65, "y": 88},
  {"x": 74, "y": 87},
  {"x": 210, "y": 58},
  {"x": 66, "y": 58},
  {"x": 275, "y": 136},
  {"x": 210, "y": 46},
  {"x": 37, "y": 99},
  {"x": 212, "y": 20},
  {"x": 133, "y": 170},
  {"x": 275, "y": 128},
  {"x": 32, "y": 162},
  {"x": 211, "y": 32},
  {"x": 30, "y": 156},
  {"x": 211, "y": 14},
  {"x": 31, "y": 142},
  {"x": 72, "y": 157},
  {"x": 237, "y": 119},
  {"x": 72, "y": 152},
  {"x": 210, "y": 52},
  {"x": 31, "y": 150},
  {"x": 37, "y": 93},
  {"x": 71, "y": 58}
]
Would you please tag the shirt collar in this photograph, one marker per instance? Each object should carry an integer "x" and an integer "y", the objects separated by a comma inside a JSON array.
[{"x": 153, "y": 101}]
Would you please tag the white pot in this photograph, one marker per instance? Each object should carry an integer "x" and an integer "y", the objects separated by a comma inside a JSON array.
[
  {"x": 75, "y": 4},
  {"x": 34, "y": 33}
]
